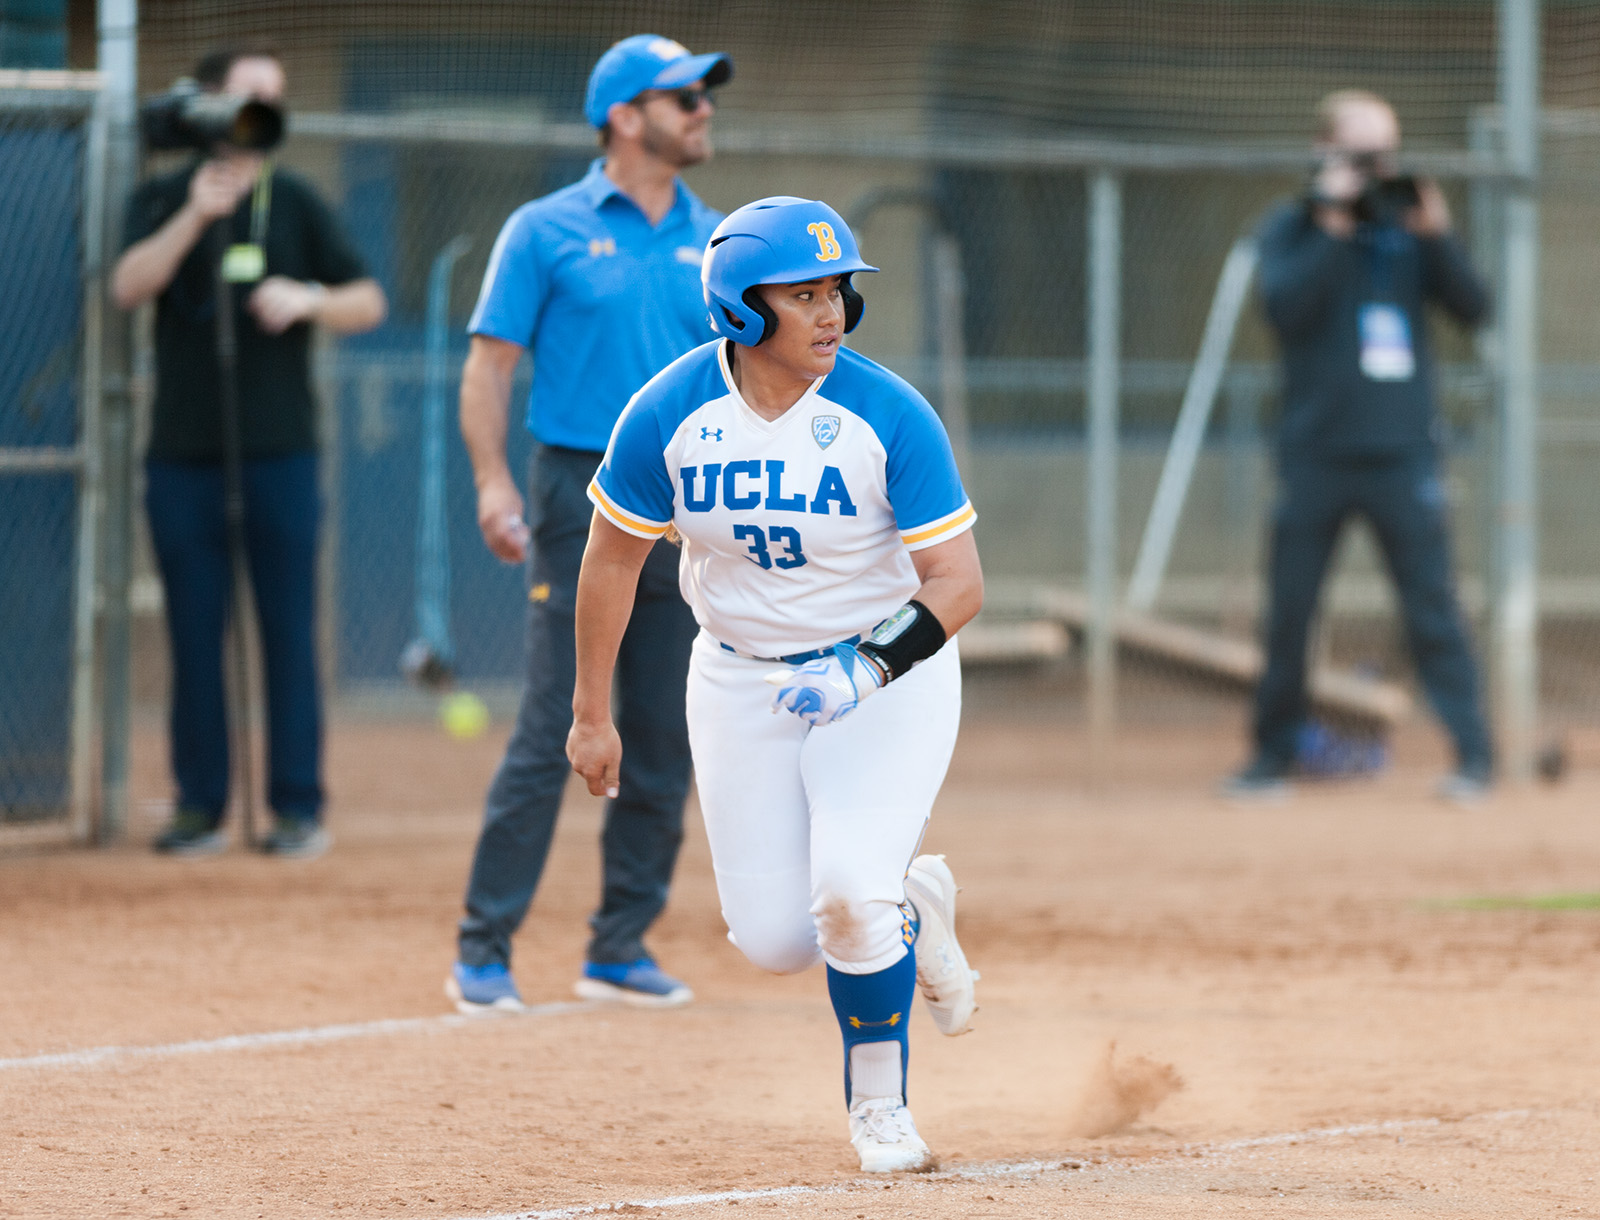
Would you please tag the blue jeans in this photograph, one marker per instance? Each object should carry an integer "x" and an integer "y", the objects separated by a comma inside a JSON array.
[
  {"x": 644, "y": 825},
  {"x": 1404, "y": 501},
  {"x": 282, "y": 509}
]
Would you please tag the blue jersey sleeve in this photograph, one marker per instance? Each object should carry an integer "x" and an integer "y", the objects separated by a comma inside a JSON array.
[
  {"x": 514, "y": 283},
  {"x": 632, "y": 489},
  {"x": 924, "y": 486}
]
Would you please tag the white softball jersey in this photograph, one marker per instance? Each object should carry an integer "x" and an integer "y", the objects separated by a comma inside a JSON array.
[{"x": 797, "y": 532}]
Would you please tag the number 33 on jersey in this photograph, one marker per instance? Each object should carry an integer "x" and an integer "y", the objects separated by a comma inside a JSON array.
[{"x": 797, "y": 531}]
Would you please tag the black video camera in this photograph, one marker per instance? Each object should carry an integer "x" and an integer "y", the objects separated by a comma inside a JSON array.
[
  {"x": 1386, "y": 200},
  {"x": 1387, "y": 196},
  {"x": 188, "y": 117}
]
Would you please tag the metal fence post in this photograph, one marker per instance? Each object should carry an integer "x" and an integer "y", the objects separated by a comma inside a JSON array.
[
  {"x": 1104, "y": 354},
  {"x": 1516, "y": 614},
  {"x": 85, "y": 581},
  {"x": 118, "y": 28},
  {"x": 1486, "y": 199},
  {"x": 950, "y": 296},
  {"x": 1194, "y": 416}
]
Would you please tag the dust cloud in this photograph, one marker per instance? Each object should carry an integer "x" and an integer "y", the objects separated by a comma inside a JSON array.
[{"x": 1116, "y": 1094}]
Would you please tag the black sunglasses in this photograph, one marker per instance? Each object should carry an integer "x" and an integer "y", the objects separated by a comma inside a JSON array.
[{"x": 688, "y": 98}]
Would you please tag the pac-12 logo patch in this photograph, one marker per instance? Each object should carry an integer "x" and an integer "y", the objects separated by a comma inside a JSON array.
[{"x": 825, "y": 428}]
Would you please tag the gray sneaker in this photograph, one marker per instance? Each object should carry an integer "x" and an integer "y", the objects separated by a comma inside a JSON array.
[
  {"x": 296, "y": 839},
  {"x": 1466, "y": 787},
  {"x": 1264, "y": 780},
  {"x": 192, "y": 832}
]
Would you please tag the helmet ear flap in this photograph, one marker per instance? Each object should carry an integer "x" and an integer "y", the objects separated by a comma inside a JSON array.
[
  {"x": 854, "y": 304},
  {"x": 758, "y": 306}
]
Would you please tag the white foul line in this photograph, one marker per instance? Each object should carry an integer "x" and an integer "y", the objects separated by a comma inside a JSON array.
[
  {"x": 995, "y": 1169},
  {"x": 98, "y": 1055}
]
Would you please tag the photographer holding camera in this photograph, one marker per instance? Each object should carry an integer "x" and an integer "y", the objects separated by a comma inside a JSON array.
[
  {"x": 290, "y": 266},
  {"x": 1345, "y": 273}
]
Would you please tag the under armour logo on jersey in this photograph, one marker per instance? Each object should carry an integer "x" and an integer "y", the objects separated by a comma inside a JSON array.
[
  {"x": 602, "y": 247},
  {"x": 825, "y": 428},
  {"x": 711, "y": 434}
]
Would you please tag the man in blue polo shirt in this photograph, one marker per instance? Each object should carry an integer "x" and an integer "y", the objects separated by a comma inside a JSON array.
[{"x": 601, "y": 280}]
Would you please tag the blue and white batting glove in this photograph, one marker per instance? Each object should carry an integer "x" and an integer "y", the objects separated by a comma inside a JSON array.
[{"x": 827, "y": 689}]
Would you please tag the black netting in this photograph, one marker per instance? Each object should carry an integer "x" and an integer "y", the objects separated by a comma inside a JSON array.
[
  {"x": 947, "y": 119},
  {"x": 41, "y": 352}
]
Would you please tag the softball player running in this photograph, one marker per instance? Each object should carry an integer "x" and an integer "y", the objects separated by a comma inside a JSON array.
[{"x": 825, "y": 532}]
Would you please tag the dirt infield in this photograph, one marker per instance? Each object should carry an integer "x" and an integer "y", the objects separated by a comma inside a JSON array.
[{"x": 1349, "y": 1043}]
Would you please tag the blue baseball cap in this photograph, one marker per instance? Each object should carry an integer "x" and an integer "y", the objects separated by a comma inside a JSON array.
[{"x": 648, "y": 61}]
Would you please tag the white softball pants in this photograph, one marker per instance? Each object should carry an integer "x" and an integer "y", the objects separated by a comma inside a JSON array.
[{"x": 812, "y": 830}]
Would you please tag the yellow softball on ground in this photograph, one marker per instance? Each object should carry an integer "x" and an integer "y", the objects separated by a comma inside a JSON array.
[{"x": 463, "y": 715}]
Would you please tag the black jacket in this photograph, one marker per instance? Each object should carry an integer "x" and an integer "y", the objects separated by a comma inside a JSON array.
[
  {"x": 277, "y": 417},
  {"x": 1314, "y": 287}
]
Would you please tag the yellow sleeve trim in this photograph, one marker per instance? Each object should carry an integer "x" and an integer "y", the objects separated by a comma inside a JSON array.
[
  {"x": 624, "y": 520},
  {"x": 953, "y": 524}
]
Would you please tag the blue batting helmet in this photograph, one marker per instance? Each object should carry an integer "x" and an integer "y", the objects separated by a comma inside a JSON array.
[{"x": 780, "y": 240}]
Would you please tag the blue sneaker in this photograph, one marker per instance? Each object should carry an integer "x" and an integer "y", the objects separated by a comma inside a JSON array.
[
  {"x": 638, "y": 982},
  {"x": 1323, "y": 752},
  {"x": 482, "y": 991}
]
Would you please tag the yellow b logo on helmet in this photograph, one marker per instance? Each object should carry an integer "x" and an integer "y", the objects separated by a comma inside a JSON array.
[{"x": 827, "y": 244}]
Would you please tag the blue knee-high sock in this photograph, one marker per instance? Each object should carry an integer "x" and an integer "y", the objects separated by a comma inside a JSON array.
[{"x": 874, "y": 1008}]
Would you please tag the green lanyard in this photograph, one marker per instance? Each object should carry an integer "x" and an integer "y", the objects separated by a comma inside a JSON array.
[
  {"x": 246, "y": 262},
  {"x": 261, "y": 206}
]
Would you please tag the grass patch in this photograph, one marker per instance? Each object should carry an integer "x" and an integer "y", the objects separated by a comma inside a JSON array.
[{"x": 1534, "y": 902}]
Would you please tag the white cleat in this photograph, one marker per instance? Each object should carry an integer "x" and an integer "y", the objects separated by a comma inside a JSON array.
[
  {"x": 943, "y": 976},
  {"x": 886, "y": 1139}
]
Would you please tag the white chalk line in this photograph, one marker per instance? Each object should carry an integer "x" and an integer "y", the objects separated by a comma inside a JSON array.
[
  {"x": 96, "y": 1056},
  {"x": 1006, "y": 1169}
]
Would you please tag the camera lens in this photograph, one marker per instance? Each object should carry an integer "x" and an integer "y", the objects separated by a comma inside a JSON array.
[{"x": 257, "y": 127}]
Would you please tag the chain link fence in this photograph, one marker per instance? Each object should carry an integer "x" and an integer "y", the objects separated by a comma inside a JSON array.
[
  {"x": 961, "y": 138},
  {"x": 1021, "y": 386},
  {"x": 48, "y": 206},
  {"x": 442, "y": 143}
]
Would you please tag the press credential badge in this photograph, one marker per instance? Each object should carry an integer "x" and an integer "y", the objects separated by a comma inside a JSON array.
[
  {"x": 244, "y": 263},
  {"x": 1386, "y": 353}
]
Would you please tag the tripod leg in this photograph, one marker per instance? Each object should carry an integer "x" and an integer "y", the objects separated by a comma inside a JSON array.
[{"x": 233, "y": 508}]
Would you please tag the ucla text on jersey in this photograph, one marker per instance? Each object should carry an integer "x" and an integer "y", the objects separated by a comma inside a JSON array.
[
  {"x": 700, "y": 486},
  {"x": 797, "y": 532}
]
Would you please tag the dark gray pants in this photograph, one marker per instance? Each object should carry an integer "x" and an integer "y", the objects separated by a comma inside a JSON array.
[
  {"x": 1404, "y": 501},
  {"x": 644, "y": 825}
]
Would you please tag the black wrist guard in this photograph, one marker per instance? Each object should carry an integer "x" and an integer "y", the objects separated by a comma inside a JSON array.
[{"x": 906, "y": 638}]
